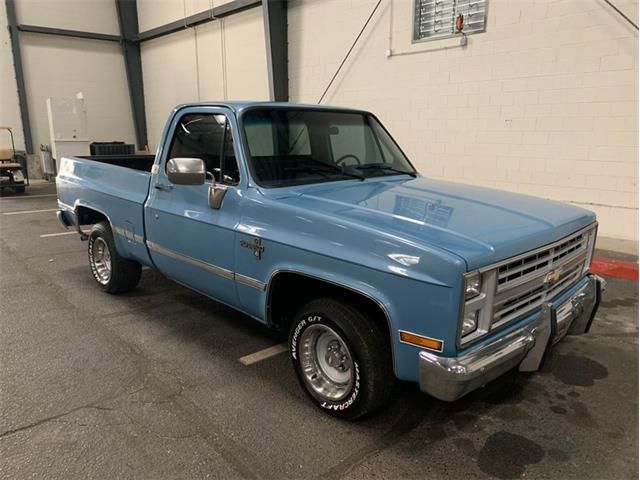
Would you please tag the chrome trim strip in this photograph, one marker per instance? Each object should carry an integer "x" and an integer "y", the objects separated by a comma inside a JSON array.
[
  {"x": 128, "y": 234},
  {"x": 250, "y": 282},
  {"x": 223, "y": 272},
  {"x": 120, "y": 231}
]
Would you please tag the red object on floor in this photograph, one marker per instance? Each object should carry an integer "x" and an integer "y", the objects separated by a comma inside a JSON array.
[{"x": 615, "y": 268}]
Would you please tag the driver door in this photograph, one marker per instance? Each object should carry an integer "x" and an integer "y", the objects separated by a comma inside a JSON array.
[{"x": 192, "y": 243}]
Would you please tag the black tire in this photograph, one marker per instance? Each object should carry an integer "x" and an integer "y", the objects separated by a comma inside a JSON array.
[
  {"x": 367, "y": 346},
  {"x": 124, "y": 274},
  {"x": 19, "y": 189}
]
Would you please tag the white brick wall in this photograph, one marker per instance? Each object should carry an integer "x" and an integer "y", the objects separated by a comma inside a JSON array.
[{"x": 544, "y": 103}]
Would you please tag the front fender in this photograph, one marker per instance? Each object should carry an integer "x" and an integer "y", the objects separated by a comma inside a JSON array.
[{"x": 408, "y": 304}]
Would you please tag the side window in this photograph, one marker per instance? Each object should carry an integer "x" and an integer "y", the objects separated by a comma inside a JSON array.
[{"x": 208, "y": 137}]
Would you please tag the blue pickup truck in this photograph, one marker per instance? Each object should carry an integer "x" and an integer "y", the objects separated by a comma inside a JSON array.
[{"x": 312, "y": 220}]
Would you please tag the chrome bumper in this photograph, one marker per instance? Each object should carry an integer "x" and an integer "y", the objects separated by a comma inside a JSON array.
[
  {"x": 65, "y": 223},
  {"x": 449, "y": 378},
  {"x": 69, "y": 219}
]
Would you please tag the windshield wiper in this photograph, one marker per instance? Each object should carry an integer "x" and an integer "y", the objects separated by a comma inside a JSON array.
[
  {"x": 382, "y": 166},
  {"x": 321, "y": 167}
]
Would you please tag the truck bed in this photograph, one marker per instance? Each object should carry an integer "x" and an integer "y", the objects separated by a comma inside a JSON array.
[{"x": 114, "y": 186}]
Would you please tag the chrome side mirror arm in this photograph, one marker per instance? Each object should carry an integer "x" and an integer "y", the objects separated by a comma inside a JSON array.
[{"x": 216, "y": 193}]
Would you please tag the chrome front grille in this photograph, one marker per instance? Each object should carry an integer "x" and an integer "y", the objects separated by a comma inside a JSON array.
[
  {"x": 526, "y": 281},
  {"x": 515, "y": 287}
]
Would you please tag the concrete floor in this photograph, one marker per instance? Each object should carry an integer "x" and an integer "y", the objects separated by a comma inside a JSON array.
[{"x": 149, "y": 385}]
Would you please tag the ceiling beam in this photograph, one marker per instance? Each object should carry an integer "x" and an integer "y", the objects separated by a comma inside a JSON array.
[{"x": 68, "y": 33}]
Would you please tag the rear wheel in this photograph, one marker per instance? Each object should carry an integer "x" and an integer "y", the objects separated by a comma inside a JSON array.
[
  {"x": 342, "y": 360},
  {"x": 113, "y": 273}
]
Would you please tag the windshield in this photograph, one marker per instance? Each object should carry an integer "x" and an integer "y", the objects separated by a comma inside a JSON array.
[{"x": 294, "y": 147}]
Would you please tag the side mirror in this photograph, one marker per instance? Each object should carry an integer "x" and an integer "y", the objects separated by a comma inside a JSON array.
[{"x": 186, "y": 171}]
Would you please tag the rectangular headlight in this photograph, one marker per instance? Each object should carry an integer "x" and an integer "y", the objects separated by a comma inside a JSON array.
[
  {"x": 469, "y": 323},
  {"x": 18, "y": 176},
  {"x": 472, "y": 285}
]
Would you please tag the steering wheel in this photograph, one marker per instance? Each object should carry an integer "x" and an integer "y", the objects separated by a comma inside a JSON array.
[{"x": 348, "y": 155}]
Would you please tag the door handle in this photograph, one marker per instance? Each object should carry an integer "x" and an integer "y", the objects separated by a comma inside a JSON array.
[{"x": 163, "y": 186}]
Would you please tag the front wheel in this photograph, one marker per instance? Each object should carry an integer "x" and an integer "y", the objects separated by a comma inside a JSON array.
[
  {"x": 114, "y": 274},
  {"x": 341, "y": 358}
]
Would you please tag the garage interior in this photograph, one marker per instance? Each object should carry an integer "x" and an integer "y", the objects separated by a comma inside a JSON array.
[{"x": 541, "y": 99}]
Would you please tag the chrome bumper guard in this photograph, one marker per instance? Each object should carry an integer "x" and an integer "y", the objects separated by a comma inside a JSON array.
[{"x": 449, "y": 378}]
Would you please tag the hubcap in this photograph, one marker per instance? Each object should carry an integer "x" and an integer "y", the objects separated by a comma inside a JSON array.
[
  {"x": 326, "y": 362},
  {"x": 101, "y": 258}
]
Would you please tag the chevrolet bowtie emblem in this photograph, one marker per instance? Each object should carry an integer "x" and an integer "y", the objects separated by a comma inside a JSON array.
[{"x": 553, "y": 276}]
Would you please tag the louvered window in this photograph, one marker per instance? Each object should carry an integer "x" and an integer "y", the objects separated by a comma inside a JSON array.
[{"x": 435, "y": 19}]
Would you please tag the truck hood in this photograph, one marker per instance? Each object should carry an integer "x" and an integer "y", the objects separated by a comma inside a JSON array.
[{"x": 480, "y": 225}]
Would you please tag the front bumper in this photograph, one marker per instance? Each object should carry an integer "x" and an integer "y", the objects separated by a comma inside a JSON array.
[{"x": 449, "y": 378}]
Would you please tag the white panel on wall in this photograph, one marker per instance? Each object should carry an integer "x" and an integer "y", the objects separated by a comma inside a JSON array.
[
  {"x": 169, "y": 72},
  {"x": 88, "y": 15},
  {"x": 245, "y": 53},
  {"x": 62, "y": 67},
  {"x": 9, "y": 109},
  {"x": 209, "y": 50},
  {"x": 196, "y": 6},
  {"x": 153, "y": 13}
]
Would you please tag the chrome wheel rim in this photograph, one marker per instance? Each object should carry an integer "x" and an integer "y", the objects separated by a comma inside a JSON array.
[
  {"x": 326, "y": 362},
  {"x": 101, "y": 258}
]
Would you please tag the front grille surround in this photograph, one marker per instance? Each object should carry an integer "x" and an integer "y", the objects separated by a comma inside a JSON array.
[{"x": 519, "y": 285}]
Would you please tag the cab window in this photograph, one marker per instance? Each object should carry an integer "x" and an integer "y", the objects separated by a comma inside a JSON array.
[{"x": 208, "y": 137}]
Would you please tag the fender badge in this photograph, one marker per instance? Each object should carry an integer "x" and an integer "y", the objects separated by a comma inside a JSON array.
[{"x": 255, "y": 246}]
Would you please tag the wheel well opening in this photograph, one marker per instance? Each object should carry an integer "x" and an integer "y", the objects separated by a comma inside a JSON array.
[
  {"x": 88, "y": 216},
  {"x": 289, "y": 292}
]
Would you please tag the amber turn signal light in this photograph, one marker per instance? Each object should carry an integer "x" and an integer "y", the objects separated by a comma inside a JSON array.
[{"x": 421, "y": 341}]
